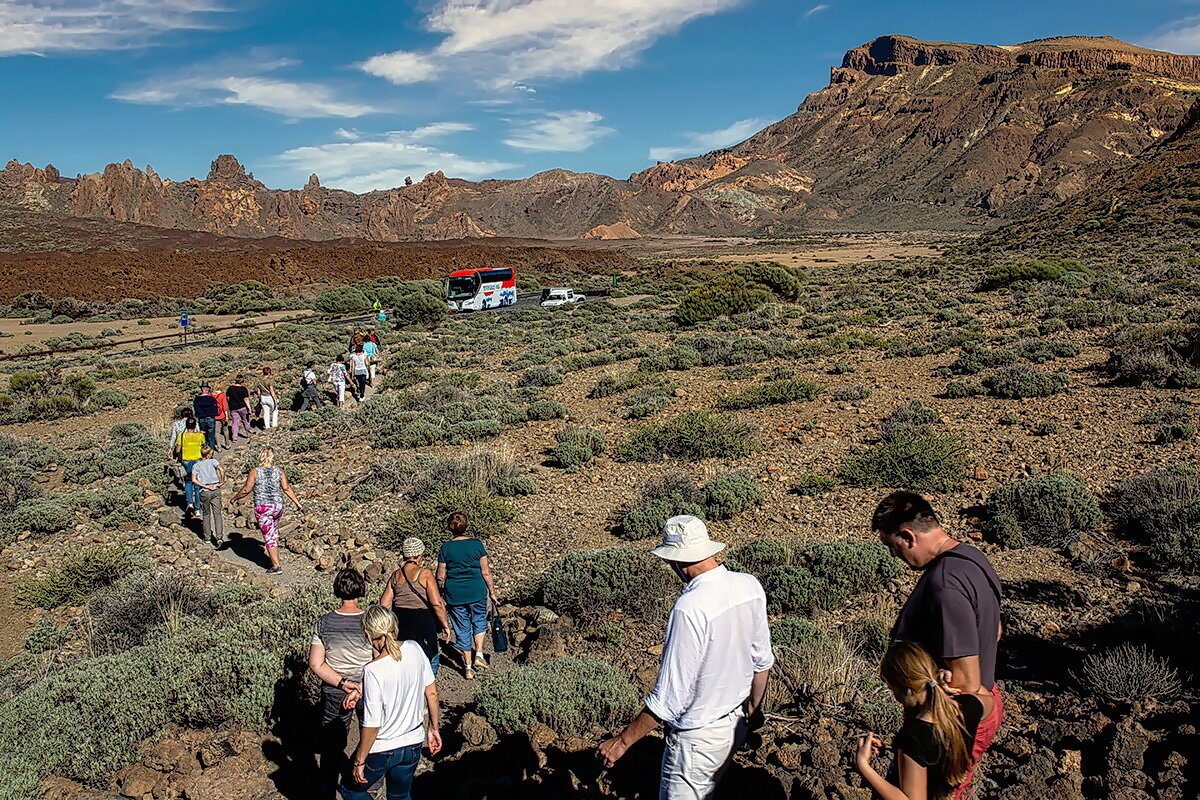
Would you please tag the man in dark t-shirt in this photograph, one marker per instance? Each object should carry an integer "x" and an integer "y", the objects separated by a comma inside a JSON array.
[{"x": 954, "y": 610}]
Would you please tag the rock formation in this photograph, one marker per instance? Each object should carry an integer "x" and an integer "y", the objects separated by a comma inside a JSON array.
[{"x": 908, "y": 134}]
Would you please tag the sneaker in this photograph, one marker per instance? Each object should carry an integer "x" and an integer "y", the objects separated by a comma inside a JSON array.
[
  {"x": 215, "y": 542},
  {"x": 469, "y": 674},
  {"x": 274, "y": 570},
  {"x": 481, "y": 662}
]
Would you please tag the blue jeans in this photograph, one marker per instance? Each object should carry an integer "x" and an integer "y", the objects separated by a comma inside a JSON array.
[
  {"x": 397, "y": 766},
  {"x": 208, "y": 426},
  {"x": 191, "y": 492},
  {"x": 468, "y": 621}
]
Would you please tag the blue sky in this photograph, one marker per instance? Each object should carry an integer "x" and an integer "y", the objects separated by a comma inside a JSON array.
[{"x": 367, "y": 92}]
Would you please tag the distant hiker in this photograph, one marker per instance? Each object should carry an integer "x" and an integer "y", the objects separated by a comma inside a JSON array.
[
  {"x": 953, "y": 611},
  {"x": 208, "y": 475},
  {"x": 238, "y": 397},
  {"x": 933, "y": 748},
  {"x": 371, "y": 348},
  {"x": 337, "y": 655},
  {"x": 221, "y": 420},
  {"x": 182, "y": 415},
  {"x": 398, "y": 688},
  {"x": 715, "y": 665},
  {"x": 308, "y": 387},
  {"x": 360, "y": 362},
  {"x": 356, "y": 338},
  {"x": 188, "y": 449},
  {"x": 381, "y": 317},
  {"x": 412, "y": 594},
  {"x": 269, "y": 484},
  {"x": 465, "y": 574},
  {"x": 269, "y": 401},
  {"x": 206, "y": 409},
  {"x": 339, "y": 374}
]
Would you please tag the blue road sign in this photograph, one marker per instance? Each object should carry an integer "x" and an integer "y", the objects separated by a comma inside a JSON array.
[{"x": 184, "y": 321}]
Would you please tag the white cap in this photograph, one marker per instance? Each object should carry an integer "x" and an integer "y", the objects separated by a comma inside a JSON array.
[{"x": 685, "y": 538}]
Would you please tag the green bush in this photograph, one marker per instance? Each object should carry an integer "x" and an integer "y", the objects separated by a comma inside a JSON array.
[
  {"x": 571, "y": 696},
  {"x": 577, "y": 446},
  {"x": 911, "y": 419},
  {"x": 793, "y": 589},
  {"x": 1156, "y": 356},
  {"x": 144, "y": 604},
  {"x": 79, "y": 573},
  {"x": 1022, "y": 381},
  {"x": 796, "y": 633},
  {"x": 540, "y": 376},
  {"x": 591, "y": 584},
  {"x": 814, "y": 485},
  {"x": 930, "y": 463},
  {"x": 45, "y": 636},
  {"x": 770, "y": 394},
  {"x": 729, "y": 495},
  {"x": 730, "y": 294},
  {"x": 1049, "y": 510},
  {"x": 1043, "y": 269},
  {"x": 693, "y": 436},
  {"x": 39, "y": 516},
  {"x": 1162, "y": 507},
  {"x": 487, "y": 514},
  {"x": 818, "y": 575},
  {"x": 956, "y": 390},
  {"x": 420, "y": 309},
  {"x": 541, "y": 410},
  {"x": 758, "y": 556},
  {"x": 671, "y": 495}
]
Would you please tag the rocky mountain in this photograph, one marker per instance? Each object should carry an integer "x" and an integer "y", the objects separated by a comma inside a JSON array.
[
  {"x": 1152, "y": 202},
  {"x": 908, "y": 134}
]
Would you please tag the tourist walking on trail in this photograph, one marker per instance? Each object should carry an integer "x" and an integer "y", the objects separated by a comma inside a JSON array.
[
  {"x": 933, "y": 748},
  {"x": 208, "y": 475},
  {"x": 361, "y": 364},
  {"x": 238, "y": 397},
  {"x": 268, "y": 400},
  {"x": 398, "y": 688},
  {"x": 716, "y": 661},
  {"x": 337, "y": 655},
  {"x": 339, "y": 374},
  {"x": 269, "y": 484},
  {"x": 182, "y": 415},
  {"x": 465, "y": 574},
  {"x": 221, "y": 421},
  {"x": 206, "y": 410},
  {"x": 412, "y": 594},
  {"x": 189, "y": 450},
  {"x": 953, "y": 611},
  {"x": 371, "y": 349},
  {"x": 308, "y": 387},
  {"x": 356, "y": 338}
]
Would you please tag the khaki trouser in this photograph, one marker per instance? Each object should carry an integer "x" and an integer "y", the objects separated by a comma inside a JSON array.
[
  {"x": 210, "y": 515},
  {"x": 695, "y": 760}
]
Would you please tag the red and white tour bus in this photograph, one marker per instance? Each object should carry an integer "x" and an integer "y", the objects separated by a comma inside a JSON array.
[{"x": 477, "y": 289}]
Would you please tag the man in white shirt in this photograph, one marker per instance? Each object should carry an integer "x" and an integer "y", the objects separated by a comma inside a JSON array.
[{"x": 715, "y": 664}]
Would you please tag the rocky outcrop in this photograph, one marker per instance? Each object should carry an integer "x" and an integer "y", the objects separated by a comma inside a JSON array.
[{"x": 908, "y": 134}]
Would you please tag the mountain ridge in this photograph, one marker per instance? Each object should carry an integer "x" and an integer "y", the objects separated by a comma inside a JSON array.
[{"x": 907, "y": 134}]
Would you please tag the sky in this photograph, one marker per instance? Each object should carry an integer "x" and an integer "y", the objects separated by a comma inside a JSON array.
[{"x": 366, "y": 92}]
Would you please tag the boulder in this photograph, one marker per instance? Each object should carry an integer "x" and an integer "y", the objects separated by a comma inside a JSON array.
[{"x": 477, "y": 731}]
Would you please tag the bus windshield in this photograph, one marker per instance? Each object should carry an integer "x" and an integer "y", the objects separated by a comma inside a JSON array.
[{"x": 462, "y": 288}]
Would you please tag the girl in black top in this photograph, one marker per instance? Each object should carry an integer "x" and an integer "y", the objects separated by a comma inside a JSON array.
[{"x": 933, "y": 748}]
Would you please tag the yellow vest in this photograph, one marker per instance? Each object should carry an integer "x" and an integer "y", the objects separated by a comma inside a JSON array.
[{"x": 190, "y": 444}]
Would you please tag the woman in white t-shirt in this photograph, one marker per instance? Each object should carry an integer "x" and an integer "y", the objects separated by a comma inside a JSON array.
[
  {"x": 398, "y": 686},
  {"x": 360, "y": 363}
]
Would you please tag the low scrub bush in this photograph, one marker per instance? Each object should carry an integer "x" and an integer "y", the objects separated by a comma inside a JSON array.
[
  {"x": 814, "y": 485},
  {"x": 488, "y": 515},
  {"x": 571, "y": 696},
  {"x": 758, "y": 556},
  {"x": 924, "y": 463},
  {"x": 541, "y": 410},
  {"x": 1049, "y": 510},
  {"x": 126, "y": 613},
  {"x": 591, "y": 584},
  {"x": 796, "y": 633},
  {"x": 729, "y": 495},
  {"x": 1042, "y": 269},
  {"x": 40, "y": 516},
  {"x": 540, "y": 376},
  {"x": 851, "y": 393},
  {"x": 1167, "y": 356},
  {"x": 675, "y": 493},
  {"x": 1022, "y": 381},
  {"x": 577, "y": 446},
  {"x": 1162, "y": 507},
  {"x": 911, "y": 419},
  {"x": 957, "y": 390},
  {"x": 767, "y": 394},
  {"x": 80, "y": 573},
  {"x": 692, "y": 436},
  {"x": 1129, "y": 674},
  {"x": 609, "y": 385}
]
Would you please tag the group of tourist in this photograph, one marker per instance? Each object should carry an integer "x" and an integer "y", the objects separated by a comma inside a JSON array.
[
  {"x": 382, "y": 662},
  {"x": 716, "y": 662},
  {"x": 354, "y": 370}
]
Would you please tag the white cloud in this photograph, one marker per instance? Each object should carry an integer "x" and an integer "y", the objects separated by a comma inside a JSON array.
[
  {"x": 1180, "y": 36},
  {"x": 242, "y": 84},
  {"x": 348, "y": 134},
  {"x": 505, "y": 43},
  {"x": 817, "y": 9},
  {"x": 700, "y": 143},
  {"x": 39, "y": 27},
  {"x": 559, "y": 131},
  {"x": 400, "y": 67},
  {"x": 385, "y": 161}
]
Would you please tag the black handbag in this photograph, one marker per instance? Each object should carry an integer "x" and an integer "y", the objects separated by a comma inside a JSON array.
[{"x": 499, "y": 635}]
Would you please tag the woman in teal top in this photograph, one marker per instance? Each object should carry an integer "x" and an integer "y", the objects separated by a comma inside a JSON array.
[{"x": 466, "y": 581}]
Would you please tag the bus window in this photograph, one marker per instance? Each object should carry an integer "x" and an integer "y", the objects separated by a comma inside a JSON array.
[{"x": 462, "y": 288}]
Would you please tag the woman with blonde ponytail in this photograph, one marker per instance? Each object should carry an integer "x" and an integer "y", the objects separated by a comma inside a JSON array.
[
  {"x": 933, "y": 747},
  {"x": 398, "y": 686}
]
